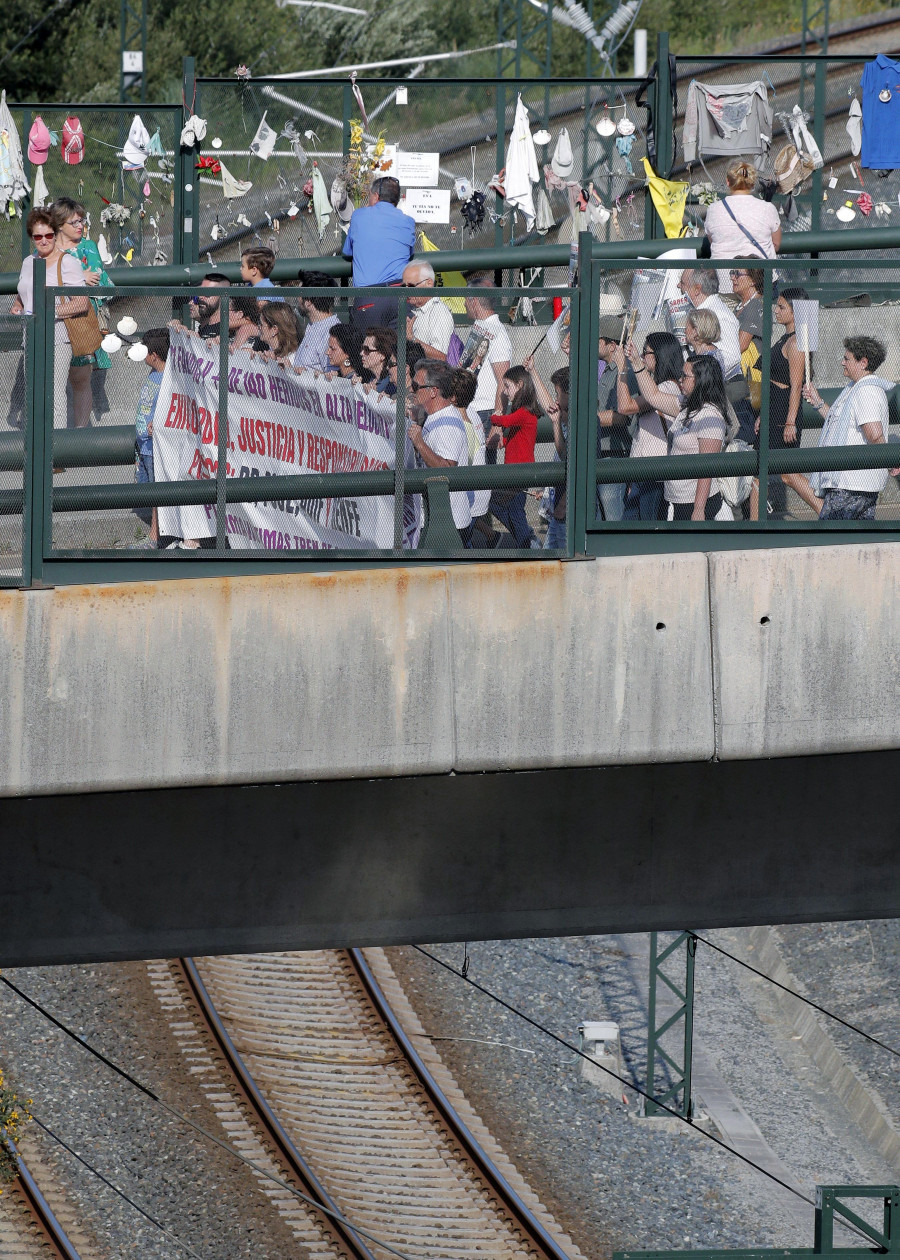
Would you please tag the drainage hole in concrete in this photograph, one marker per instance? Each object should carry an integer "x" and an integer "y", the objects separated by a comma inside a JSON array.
[
  {"x": 764, "y": 621},
  {"x": 660, "y": 625}
]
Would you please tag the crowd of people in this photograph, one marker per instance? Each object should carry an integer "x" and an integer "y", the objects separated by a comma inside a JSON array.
[{"x": 467, "y": 400}]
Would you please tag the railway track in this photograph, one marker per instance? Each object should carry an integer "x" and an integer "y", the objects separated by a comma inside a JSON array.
[
  {"x": 29, "y": 1229},
  {"x": 321, "y": 1073}
]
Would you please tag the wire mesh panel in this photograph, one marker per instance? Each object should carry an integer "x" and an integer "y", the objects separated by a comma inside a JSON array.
[
  {"x": 835, "y": 193},
  {"x": 447, "y": 141},
  {"x": 13, "y": 418},
  {"x": 775, "y": 397},
  {"x": 141, "y": 232},
  {"x": 424, "y": 433}
]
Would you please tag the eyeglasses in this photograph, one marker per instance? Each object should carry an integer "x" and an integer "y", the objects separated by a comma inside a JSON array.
[
  {"x": 737, "y": 275},
  {"x": 75, "y": 222},
  {"x": 368, "y": 350},
  {"x": 685, "y": 376},
  {"x": 42, "y": 236},
  {"x": 415, "y": 386}
]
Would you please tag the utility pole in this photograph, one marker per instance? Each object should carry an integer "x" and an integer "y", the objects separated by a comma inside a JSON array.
[
  {"x": 133, "y": 61},
  {"x": 531, "y": 26}
]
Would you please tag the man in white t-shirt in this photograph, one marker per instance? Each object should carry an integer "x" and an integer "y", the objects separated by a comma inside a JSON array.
[
  {"x": 441, "y": 442},
  {"x": 430, "y": 322},
  {"x": 488, "y": 400},
  {"x": 701, "y": 286}
]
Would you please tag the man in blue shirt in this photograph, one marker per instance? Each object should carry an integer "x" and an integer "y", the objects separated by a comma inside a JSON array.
[{"x": 380, "y": 240}]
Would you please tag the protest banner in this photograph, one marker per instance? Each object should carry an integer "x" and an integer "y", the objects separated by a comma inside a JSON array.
[{"x": 281, "y": 421}]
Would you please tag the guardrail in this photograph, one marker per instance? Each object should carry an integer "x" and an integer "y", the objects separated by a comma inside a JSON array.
[{"x": 357, "y": 502}]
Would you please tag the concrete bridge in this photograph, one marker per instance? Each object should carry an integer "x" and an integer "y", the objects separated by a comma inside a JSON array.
[{"x": 450, "y": 752}]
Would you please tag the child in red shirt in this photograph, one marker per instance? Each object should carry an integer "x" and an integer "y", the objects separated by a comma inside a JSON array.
[{"x": 515, "y": 430}]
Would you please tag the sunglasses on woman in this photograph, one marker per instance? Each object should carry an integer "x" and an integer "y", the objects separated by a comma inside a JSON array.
[{"x": 42, "y": 236}]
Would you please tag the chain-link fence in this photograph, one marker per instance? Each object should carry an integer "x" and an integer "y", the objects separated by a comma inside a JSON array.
[
  {"x": 99, "y": 180},
  {"x": 13, "y": 423},
  {"x": 323, "y": 404},
  {"x": 776, "y": 366},
  {"x": 447, "y": 139},
  {"x": 818, "y": 90}
]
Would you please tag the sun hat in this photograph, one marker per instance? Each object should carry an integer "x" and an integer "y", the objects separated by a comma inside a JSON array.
[
  {"x": 72, "y": 141},
  {"x": 38, "y": 142},
  {"x": 563, "y": 161},
  {"x": 791, "y": 168},
  {"x": 340, "y": 201}
]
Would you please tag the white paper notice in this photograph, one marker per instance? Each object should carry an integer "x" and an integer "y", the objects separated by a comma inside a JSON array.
[
  {"x": 418, "y": 170},
  {"x": 387, "y": 163},
  {"x": 402, "y": 95},
  {"x": 427, "y": 205}
]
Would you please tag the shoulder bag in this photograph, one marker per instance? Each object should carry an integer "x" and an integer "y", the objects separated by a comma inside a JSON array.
[{"x": 84, "y": 329}]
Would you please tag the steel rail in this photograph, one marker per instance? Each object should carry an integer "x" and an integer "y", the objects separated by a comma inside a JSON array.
[
  {"x": 44, "y": 1215},
  {"x": 473, "y": 1149},
  {"x": 266, "y": 1117}
]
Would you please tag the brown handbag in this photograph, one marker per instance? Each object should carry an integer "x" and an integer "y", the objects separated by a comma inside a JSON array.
[{"x": 84, "y": 330}]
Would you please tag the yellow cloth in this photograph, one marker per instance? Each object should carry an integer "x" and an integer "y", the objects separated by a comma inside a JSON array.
[
  {"x": 452, "y": 279},
  {"x": 669, "y": 197}
]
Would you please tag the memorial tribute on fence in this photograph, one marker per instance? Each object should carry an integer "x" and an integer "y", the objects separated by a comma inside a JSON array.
[{"x": 281, "y": 422}]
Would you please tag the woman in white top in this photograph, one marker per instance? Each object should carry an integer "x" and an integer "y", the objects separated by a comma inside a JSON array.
[
  {"x": 60, "y": 264},
  {"x": 664, "y": 360},
  {"x": 741, "y": 224},
  {"x": 696, "y": 425}
]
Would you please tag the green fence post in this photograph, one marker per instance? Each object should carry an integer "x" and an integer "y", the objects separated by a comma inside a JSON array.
[
  {"x": 186, "y": 246},
  {"x": 665, "y": 155},
  {"x": 34, "y": 478},
  {"x": 222, "y": 434},
  {"x": 819, "y": 112},
  {"x": 346, "y": 116},
  {"x": 400, "y": 426},
  {"x": 581, "y": 484},
  {"x": 501, "y": 158},
  {"x": 762, "y": 514}
]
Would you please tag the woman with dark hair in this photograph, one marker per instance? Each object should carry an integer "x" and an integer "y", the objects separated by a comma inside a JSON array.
[
  {"x": 785, "y": 400},
  {"x": 515, "y": 429},
  {"x": 344, "y": 346},
  {"x": 378, "y": 351},
  {"x": 663, "y": 360},
  {"x": 696, "y": 425}
]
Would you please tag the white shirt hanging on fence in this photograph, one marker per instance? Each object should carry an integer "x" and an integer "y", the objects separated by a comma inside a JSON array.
[{"x": 521, "y": 166}]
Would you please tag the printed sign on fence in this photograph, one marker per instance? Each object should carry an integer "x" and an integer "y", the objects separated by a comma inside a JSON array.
[{"x": 281, "y": 422}]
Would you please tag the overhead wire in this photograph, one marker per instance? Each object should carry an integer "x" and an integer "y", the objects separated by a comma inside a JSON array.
[
  {"x": 198, "y": 1128},
  {"x": 183, "y": 1246},
  {"x": 547, "y": 1032},
  {"x": 799, "y": 996}
]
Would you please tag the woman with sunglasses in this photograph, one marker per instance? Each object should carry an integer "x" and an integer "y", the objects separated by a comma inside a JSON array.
[
  {"x": 696, "y": 425},
  {"x": 378, "y": 352},
  {"x": 68, "y": 217},
  {"x": 41, "y": 234}
]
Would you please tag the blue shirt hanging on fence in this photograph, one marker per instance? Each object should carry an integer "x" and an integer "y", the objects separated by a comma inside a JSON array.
[
  {"x": 881, "y": 114},
  {"x": 380, "y": 240}
]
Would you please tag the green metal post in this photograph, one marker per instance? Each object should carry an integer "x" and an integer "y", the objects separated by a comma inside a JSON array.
[
  {"x": 819, "y": 133},
  {"x": 581, "y": 491},
  {"x": 40, "y": 397},
  {"x": 764, "y": 400},
  {"x": 665, "y": 157},
  {"x": 347, "y": 115},
  {"x": 400, "y": 428},
  {"x": 133, "y": 52},
  {"x": 501, "y": 157},
  {"x": 222, "y": 460},
  {"x": 186, "y": 243},
  {"x": 677, "y": 1097}
]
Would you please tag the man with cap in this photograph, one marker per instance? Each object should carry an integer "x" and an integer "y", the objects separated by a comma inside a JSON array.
[
  {"x": 429, "y": 321},
  {"x": 380, "y": 241},
  {"x": 613, "y": 438}
]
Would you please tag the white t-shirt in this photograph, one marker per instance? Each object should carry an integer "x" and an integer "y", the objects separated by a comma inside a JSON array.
[
  {"x": 499, "y": 351},
  {"x": 726, "y": 240},
  {"x": 477, "y": 458},
  {"x": 433, "y": 325},
  {"x": 651, "y": 438},
  {"x": 445, "y": 433},
  {"x": 685, "y": 438}
]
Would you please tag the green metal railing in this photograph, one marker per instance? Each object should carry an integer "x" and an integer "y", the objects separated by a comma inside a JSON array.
[{"x": 40, "y": 448}]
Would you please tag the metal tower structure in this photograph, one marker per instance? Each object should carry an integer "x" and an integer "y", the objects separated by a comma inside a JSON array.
[
  {"x": 530, "y": 27},
  {"x": 132, "y": 63}
]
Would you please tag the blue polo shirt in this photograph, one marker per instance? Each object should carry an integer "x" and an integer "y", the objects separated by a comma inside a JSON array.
[
  {"x": 380, "y": 240},
  {"x": 881, "y": 119}
]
